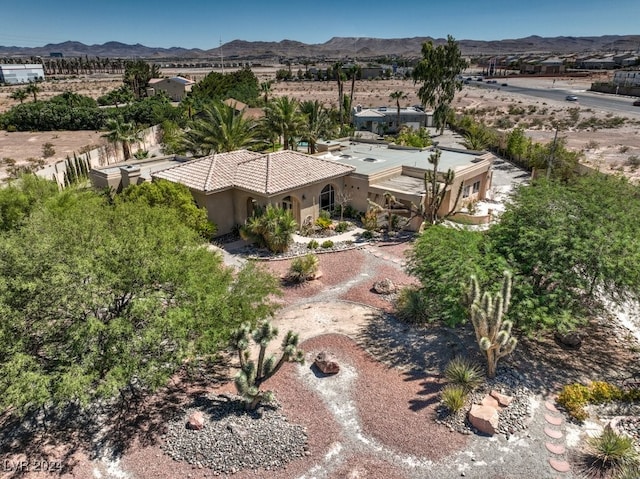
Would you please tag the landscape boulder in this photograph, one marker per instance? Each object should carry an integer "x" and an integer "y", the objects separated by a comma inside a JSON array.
[
  {"x": 385, "y": 286},
  {"x": 484, "y": 418},
  {"x": 502, "y": 399},
  {"x": 327, "y": 363},
  {"x": 195, "y": 421},
  {"x": 571, "y": 340}
]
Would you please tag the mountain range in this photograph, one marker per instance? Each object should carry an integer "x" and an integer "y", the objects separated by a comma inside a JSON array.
[{"x": 335, "y": 48}]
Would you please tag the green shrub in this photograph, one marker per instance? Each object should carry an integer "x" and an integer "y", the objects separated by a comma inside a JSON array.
[
  {"x": 323, "y": 222},
  {"x": 327, "y": 244},
  {"x": 464, "y": 373},
  {"x": 609, "y": 452},
  {"x": 574, "y": 397},
  {"x": 370, "y": 220},
  {"x": 313, "y": 244},
  {"x": 342, "y": 227},
  {"x": 303, "y": 268},
  {"x": 454, "y": 397},
  {"x": 368, "y": 234},
  {"x": 411, "y": 305}
]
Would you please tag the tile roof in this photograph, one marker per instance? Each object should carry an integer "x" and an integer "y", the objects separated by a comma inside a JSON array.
[{"x": 266, "y": 174}]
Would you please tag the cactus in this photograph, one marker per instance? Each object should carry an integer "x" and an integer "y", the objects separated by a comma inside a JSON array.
[
  {"x": 493, "y": 332},
  {"x": 252, "y": 374}
]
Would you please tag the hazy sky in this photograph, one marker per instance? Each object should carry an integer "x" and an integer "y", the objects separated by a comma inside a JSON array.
[{"x": 204, "y": 23}]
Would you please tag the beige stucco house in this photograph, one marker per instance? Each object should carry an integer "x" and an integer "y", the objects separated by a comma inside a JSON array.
[{"x": 176, "y": 88}]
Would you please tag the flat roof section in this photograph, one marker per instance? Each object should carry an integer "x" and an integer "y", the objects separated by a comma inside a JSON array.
[{"x": 369, "y": 159}]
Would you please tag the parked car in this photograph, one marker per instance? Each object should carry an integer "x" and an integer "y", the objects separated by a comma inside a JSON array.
[
  {"x": 505, "y": 84},
  {"x": 571, "y": 98},
  {"x": 492, "y": 81},
  {"x": 636, "y": 103}
]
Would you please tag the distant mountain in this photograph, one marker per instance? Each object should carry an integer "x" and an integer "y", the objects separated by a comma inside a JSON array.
[{"x": 335, "y": 48}]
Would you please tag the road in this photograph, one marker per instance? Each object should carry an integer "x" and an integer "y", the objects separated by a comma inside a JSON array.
[{"x": 618, "y": 105}]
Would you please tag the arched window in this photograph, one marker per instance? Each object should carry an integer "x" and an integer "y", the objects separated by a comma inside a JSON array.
[
  {"x": 287, "y": 203},
  {"x": 327, "y": 198}
]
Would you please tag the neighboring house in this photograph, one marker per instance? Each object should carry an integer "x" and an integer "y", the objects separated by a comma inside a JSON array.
[
  {"x": 599, "y": 63},
  {"x": 385, "y": 119},
  {"x": 627, "y": 78},
  {"x": 247, "y": 112},
  {"x": 231, "y": 185},
  {"x": 176, "y": 88},
  {"x": 549, "y": 66},
  {"x": 14, "y": 74}
]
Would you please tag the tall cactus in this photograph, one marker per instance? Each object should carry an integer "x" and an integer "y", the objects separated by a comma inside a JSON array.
[
  {"x": 252, "y": 374},
  {"x": 493, "y": 333}
]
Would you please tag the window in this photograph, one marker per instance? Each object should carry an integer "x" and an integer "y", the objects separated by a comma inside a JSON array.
[
  {"x": 327, "y": 198},
  {"x": 476, "y": 187},
  {"x": 466, "y": 191},
  {"x": 287, "y": 203}
]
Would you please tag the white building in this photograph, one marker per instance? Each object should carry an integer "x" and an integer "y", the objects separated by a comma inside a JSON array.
[
  {"x": 12, "y": 74},
  {"x": 626, "y": 78}
]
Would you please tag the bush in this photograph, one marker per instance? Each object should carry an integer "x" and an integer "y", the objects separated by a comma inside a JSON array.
[
  {"x": 454, "y": 397},
  {"x": 370, "y": 220},
  {"x": 342, "y": 227},
  {"x": 411, "y": 305},
  {"x": 327, "y": 244},
  {"x": 313, "y": 244},
  {"x": 609, "y": 452},
  {"x": 323, "y": 222},
  {"x": 574, "y": 397},
  {"x": 303, "y": 268},
  {"x": 464, "y": 373}
]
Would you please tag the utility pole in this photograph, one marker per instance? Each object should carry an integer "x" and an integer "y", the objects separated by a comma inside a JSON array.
[{"x": 552, "y": 155}]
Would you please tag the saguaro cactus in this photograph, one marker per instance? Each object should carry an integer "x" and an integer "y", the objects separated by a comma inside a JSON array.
[
  {"x": 252, "y": 374},
  {"x": 493, "y": 333}
]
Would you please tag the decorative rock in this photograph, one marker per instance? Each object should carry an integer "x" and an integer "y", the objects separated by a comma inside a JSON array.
[
  {"x": 502, "y": 399},
  {"x": 489, "y": 401},
  {"x": 560, "y": 466},
  {"x": 484, "y": 418},
  {"x": 556, "y": 421},
  {"x": 550, "y": 406},
  {"x": 571, "y": 340},
  {"x": 385, "y": 286},
  {"x": 552, "y": 433},
  {"x": 326, "y": 363},
  {"x": 555, "y": 448},
  {"x": 195, "y": 421}
]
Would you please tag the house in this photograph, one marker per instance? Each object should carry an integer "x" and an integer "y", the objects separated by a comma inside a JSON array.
[
  {"x": 627, "y": 78},
  {"x": 231, "y": 185},
  {"x": 383, "y": 119},
  {"x": 21, "y": 73},
  {"x": 246, "y": 110},
  {"x": 176, "y": 88}
]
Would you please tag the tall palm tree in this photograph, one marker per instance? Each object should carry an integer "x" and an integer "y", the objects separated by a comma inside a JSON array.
[
  {"x": 33, "y": 89},
  {"x": 353, "y": 73},
  {"x": 20, "y": 94},
  {"x": 123, "y": 132},
  {"x": 283, "y": 118},
  {"x": 219, "y": 129},
  {"x": 397, "y": 96},
  {"x": 265, "y": 88},
  {"x": 317, "y": 123},
  {"x": 339, "y": 74}
]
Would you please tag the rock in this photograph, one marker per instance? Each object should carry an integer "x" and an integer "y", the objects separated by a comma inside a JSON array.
[
  {"x": 327, "y": 363},
  {"x": 490, "y": 401},
  {"x": 502, "y": 399},
  {"x": 317, "y": 275},
  {"x": 571, "y": 339},
  {"x": 385, "y": 286},
  {"x": 195, "y": 421},
  {"x": 484, "y": 418}
]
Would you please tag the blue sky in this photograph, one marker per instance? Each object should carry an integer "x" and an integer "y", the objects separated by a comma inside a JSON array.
[{"x": 203, "y": 23}]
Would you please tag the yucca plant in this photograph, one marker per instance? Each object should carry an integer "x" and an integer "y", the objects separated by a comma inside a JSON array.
[
  {"x": 464, "y": 373},
  {"x": 453, "y": 397},
  {"x": 303, "y": 268},
  {"x": 609, "y": 453}
]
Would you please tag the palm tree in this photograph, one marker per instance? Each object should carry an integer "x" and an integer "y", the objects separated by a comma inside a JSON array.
[
  {"x": 283, "y": 118},
  {"x": 337, "y": 71},
  {"x": 353, "y": 73},
  {"x": 397, "y": 96},
  {"x": 265, "y": 88},
  {"x": 477, "y": 137},
  {"x": 33, "y": 89},
  {"x": 219, "y": 129},
  {"x": 20, "y": 94},
  {"x": 122, "y": 132},
  {"x": 317, "y": 124}
]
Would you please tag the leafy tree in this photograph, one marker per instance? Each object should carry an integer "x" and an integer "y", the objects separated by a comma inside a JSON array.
[
  {"x": 443, "y": 259},
  {"x": 20, "y": 94},
  {"x": 569, "y": 246},
  {"x": 20, "y": 197},
  {"x": 137, "y": 74},
  {"x": 397, "y": 96},
  {"x": 172, "y": 138},
  {"x": 121, "y": 95},
  {"x": 417, "y": 138},
  {"x": 438, "y": 72},
  {"x": 219, "y": 129},
  {"x": 517, "y": 143},
  {"x": 241, "y": 85},
  {"x": 33, "y": 89},
  {"x": 163, "y": 193},
  {"x": 283, "y": 117},
  {"x": 99, "y": 299},
  {"x": 55, "y": 114}
]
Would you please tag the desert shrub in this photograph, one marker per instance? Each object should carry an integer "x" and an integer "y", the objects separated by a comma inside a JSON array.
[
  {"x": 602, "y": 391},
  {"x": 592, "y": 145},
  {"x": 454, "y": 397},
  {"x": 351, "y": 212},
  {"x": 370, "y": 220},
  {"x": 47, "y": 150},
  {"x": 323, "y": 222},
  {"x": 609, "y": 453},
  {"x": 342, "y": 227},
  {"x": 623, "y": 149},
  {"x": 503, "y": 123},
  {"x": 327, "y": 244},
  {"x": 633, "y": 161},
  {"x": 574, "y": 397},
  {"x": 368, "y": 234},
  {"x": 313, "y": 244},
  {"x": 411, "y": 305},
  {"x": 464, "y": 373},
  {"x": 303, "y": 268}
]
